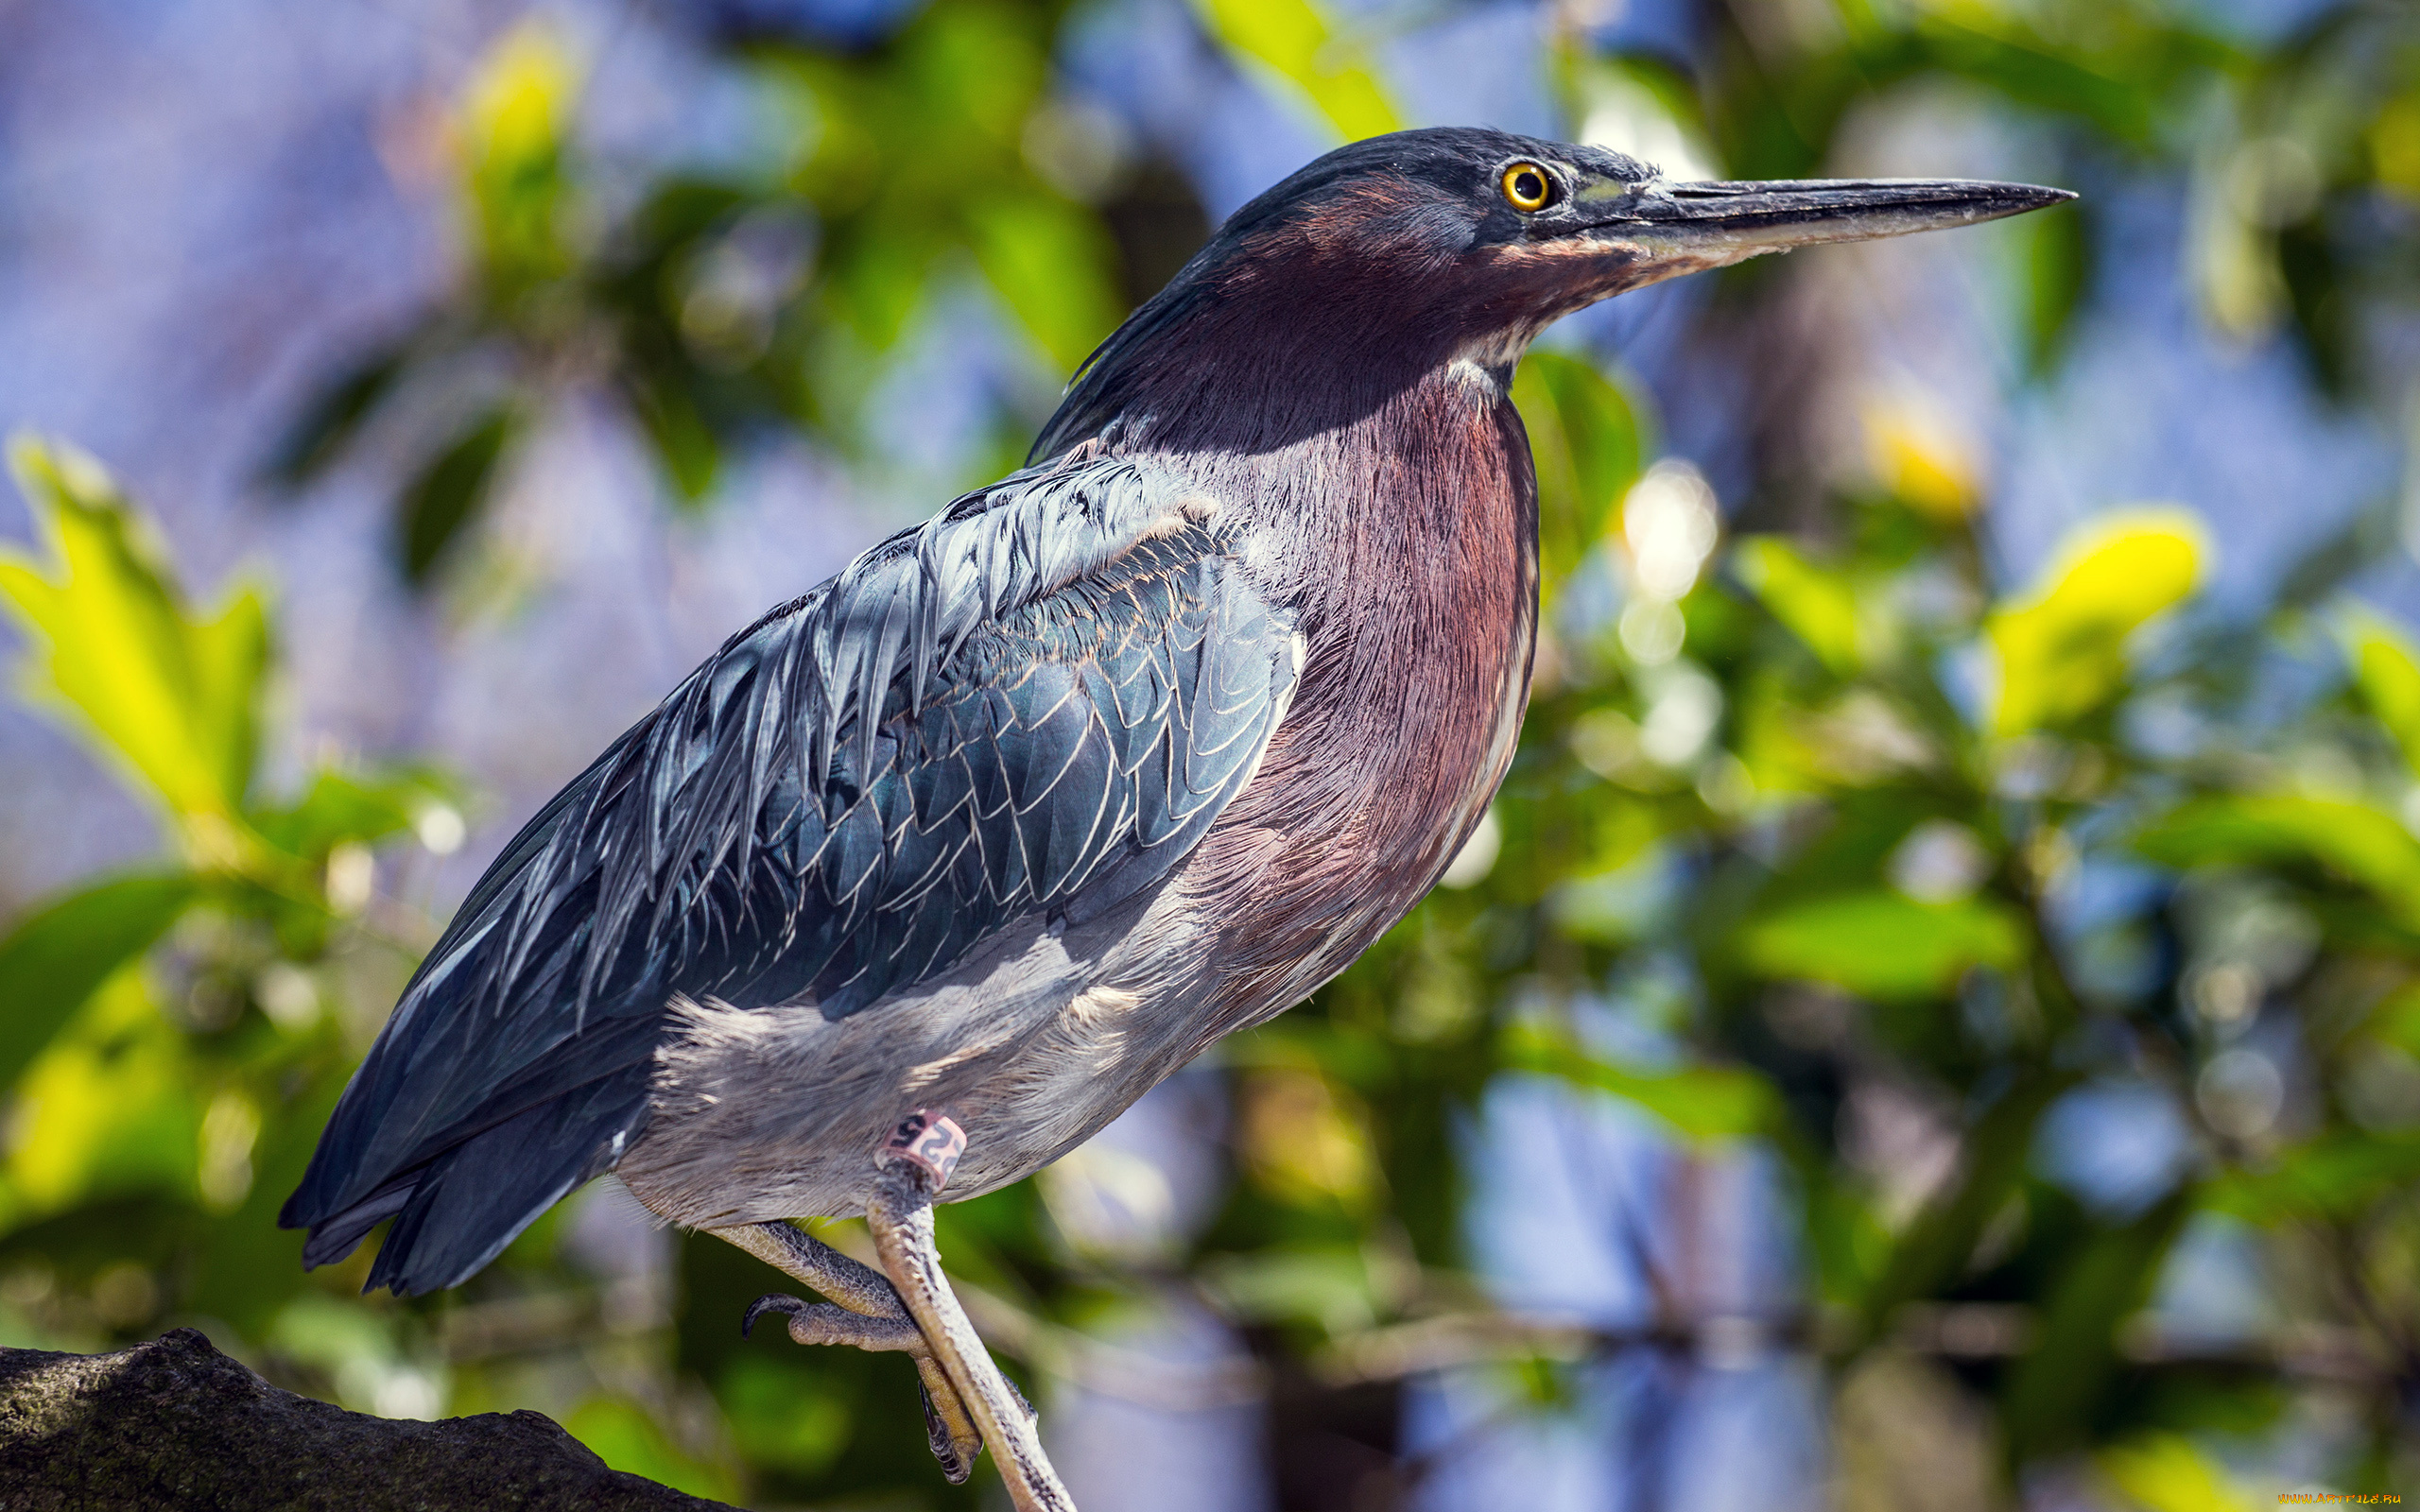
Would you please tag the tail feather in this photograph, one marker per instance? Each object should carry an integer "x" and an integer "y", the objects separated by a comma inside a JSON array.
[
  {"x": 432, "y": 1082},
  {"x": 457, "y": 1212},
  {"x": 333, "y": 1237}
]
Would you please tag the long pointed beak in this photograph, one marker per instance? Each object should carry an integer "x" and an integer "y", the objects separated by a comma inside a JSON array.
[{"x": 1681, "y": 228}]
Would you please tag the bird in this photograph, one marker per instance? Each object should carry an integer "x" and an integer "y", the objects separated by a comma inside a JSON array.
[{"x": 926, "y": 875}]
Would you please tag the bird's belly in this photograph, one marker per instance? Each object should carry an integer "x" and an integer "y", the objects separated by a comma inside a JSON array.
[{"x": 760, "y": 1114}]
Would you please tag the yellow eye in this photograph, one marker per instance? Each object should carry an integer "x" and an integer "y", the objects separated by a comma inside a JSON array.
[{"x": 1527, "y": 186}]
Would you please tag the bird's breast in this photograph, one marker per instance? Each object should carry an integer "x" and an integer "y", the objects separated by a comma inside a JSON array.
[{"x": 1409, "y": 542}]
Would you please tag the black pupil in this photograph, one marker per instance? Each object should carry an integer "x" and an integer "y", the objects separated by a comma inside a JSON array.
[{"x": 1529, "y": 187}]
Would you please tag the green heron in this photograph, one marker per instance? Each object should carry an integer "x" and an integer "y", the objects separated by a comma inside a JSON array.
[{"x": 928, "y": 874}]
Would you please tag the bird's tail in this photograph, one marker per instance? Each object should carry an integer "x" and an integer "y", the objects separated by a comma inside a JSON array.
[{"x": 457, "y": 1212}]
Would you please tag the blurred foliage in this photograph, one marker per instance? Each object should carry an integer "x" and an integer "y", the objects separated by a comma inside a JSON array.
[
  {"x": 1292, "y": 39},
  {"x": 1827, "y": 849},
  {"x": 719, "y": 307},
  {"x": 174, "y": 1037}
]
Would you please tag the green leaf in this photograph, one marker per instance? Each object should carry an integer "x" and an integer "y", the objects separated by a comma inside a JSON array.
[
  {"x": 785, "y": 1415},
  {"x": 171, "y": 697},
  {"x": 2396, "y": 1020},
  {"x": 248, "y": 1269},
  {"x": 1051, "y": 263},
  {"x": 2062, "y": 646},
  {"x": 1817, "y": 604},
  {"x": 2056, "y": 1390},
  {"x": 450, "y": 491},
  {"x": 1702, "y": 1102},
  {"x": 875, "y": 286},
  {"x": 335, "y": 415},
  {"x": 626, "y": 1438},
  {"x": 2165, "y": 1472},
  {"x": 2386, "y": 673},
  {"x": 1882, "y": 944},
  {"x": 685, "y": 443},
  {"x": 511, "y": 129},
  {"x": 2334, "y": 1174},
  {"x": 59, "y": 955},
  {"x": 110, "y": 1106},
  {"x": 2030, "y": 72},
  {"x": 2057, "y": 270},
  {"x": 365, "y": 807},
  {"x": 1293, "y": 39},
  {"x": 1584, "y": 439},
  {"x": 1935, "y": 1249},
  {"x": 1327, "y": 1287},
  {"x": 2363, "y": 844}
]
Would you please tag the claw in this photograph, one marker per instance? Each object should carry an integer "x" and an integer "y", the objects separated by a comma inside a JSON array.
[
  {"x": 1030, "y": 1415},
  {"x": 957, "y": 1459},
  {"x": 770, "y": 1302}
]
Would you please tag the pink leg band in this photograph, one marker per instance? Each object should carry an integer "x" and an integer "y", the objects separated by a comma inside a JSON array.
[{"x": 931, "y": 1142}]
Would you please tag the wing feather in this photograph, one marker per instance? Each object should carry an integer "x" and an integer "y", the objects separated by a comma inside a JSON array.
[{"x": 1035, "y": 702}]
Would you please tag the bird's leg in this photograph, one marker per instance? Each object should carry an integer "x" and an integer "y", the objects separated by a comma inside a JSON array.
[
  {"x": 915, "y": 1164},
  {"x": 869, "y": 1316}
]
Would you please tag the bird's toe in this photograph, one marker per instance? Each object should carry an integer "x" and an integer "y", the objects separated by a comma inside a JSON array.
[
  {"x": 823, "y": 1323},
  {"x": 954, "y": 1444}
]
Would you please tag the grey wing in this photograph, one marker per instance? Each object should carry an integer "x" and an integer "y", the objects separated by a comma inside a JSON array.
[{"x": 1036, "y": 703}]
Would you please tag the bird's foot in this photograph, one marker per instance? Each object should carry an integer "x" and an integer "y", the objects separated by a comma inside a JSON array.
[
  {"x": 823, "y": 1323},
  {"x": 869, "y": 1316},
  {"x": 916, "y": 1162}
]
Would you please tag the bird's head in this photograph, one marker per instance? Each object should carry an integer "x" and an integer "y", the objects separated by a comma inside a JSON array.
[{"x": 1402, "y": 253}]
